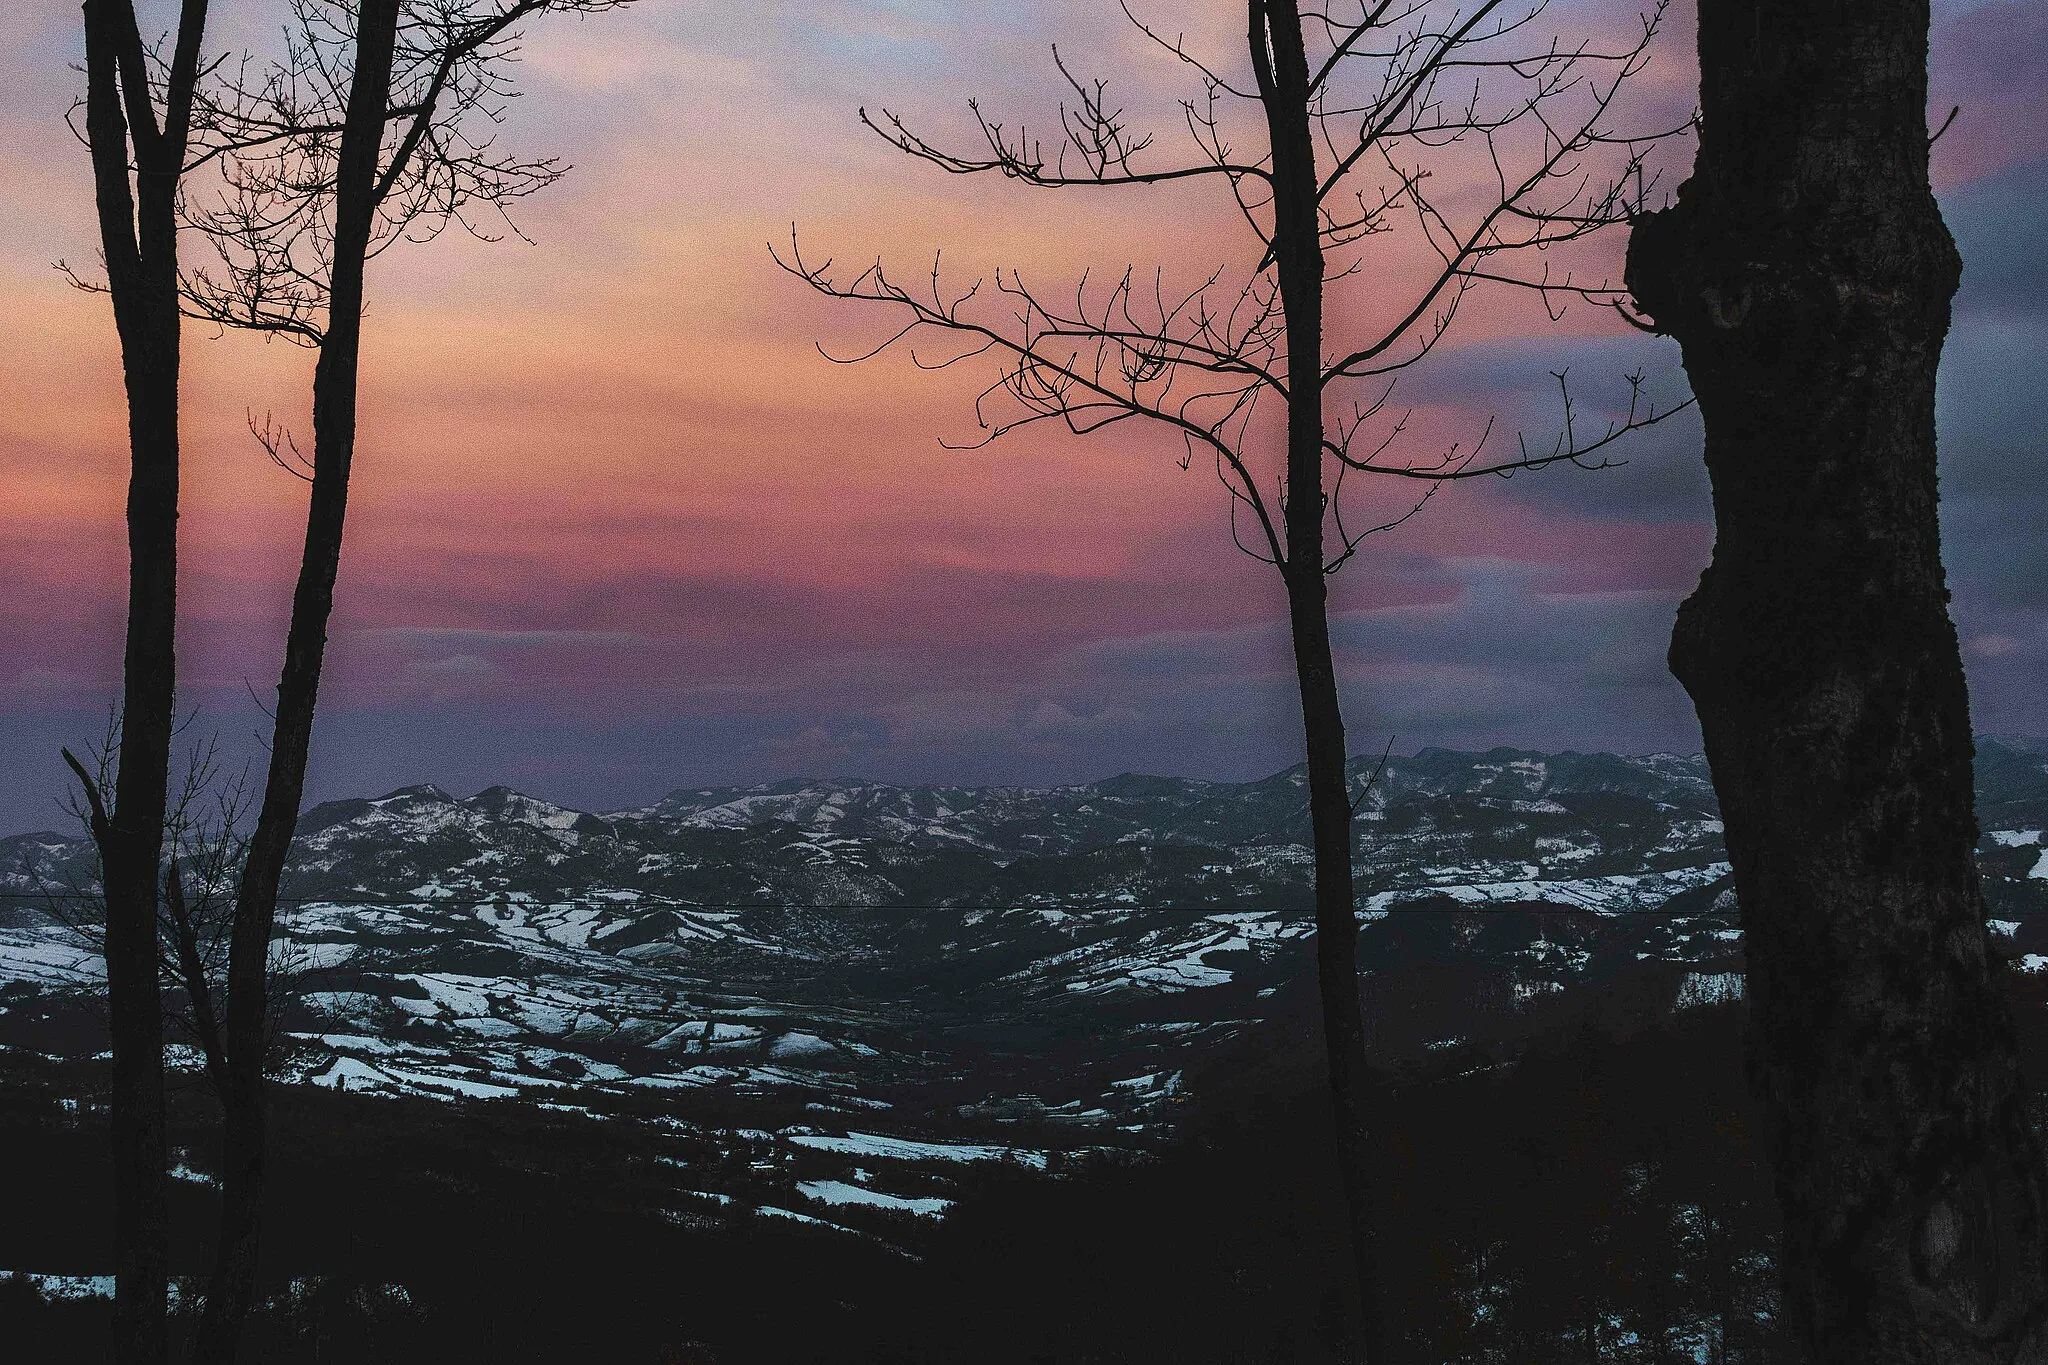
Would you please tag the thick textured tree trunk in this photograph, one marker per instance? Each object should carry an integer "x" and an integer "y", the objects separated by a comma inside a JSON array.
[
  {"x": 138, "y": 234},
  {"x": 232, "y": 1290},
  {"x": 1807, "y": 273},
  {"x": 1281, "y": 62}
]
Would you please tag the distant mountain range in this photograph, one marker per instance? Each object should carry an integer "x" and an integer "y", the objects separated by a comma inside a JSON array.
[{"x": 866, "y": 961}]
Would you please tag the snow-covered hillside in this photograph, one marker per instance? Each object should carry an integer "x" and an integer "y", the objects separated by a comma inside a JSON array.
[{"x": 946, "y": 962}]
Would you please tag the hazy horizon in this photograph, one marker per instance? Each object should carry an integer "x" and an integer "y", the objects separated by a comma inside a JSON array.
[{"x": 466, "y": 792}]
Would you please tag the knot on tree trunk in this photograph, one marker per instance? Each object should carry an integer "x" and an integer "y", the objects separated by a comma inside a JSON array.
[
  {"x": 1968, "y": 1259},
  {"x": 1660, "y": 262},
  {"x": 1952, "y": 1253}
]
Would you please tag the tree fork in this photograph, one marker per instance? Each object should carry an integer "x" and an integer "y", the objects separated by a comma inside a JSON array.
[
  {"x": 1807, "y": 274},
  {"x": 139, "y": 239}
]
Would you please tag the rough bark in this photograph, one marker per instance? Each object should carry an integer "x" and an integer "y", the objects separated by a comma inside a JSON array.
[
  {"x": 1281, "y": 63},
  {"x": 138, "y": 235},
  {"x": 245, "y": 1034},
  {"x": 1806, "y": 271}
]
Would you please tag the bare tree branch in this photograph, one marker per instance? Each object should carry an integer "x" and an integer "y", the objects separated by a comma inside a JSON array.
[
  {"x": 91, "y": 786},
  {"x": 271, "y": 132},
  {"x": 1195, "y": 359}
]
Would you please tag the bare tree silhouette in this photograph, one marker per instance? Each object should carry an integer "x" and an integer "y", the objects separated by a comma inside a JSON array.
[
  {"x": 137, "y": 129},
  {"x": 1806, "y": 272},
  {"x": 1360, "y": 110},
  {"x": 376, "y": 126}
]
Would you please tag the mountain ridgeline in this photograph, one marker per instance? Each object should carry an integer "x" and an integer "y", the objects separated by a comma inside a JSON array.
[{"x": 1055, "y": 954}]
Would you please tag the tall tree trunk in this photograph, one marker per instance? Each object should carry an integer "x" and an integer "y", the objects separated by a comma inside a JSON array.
[
  {"x": 1281, "y": 63},
  {"x": 1807, "y": 273},
  {"x": 1350, "y": 1075},
  {"x": 138, "y": 236},
  {"x": 334, "y": 435}
]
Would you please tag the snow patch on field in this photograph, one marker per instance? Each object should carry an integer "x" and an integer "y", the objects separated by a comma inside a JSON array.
[
  {"x": 1151, "y": 1085},
  {"x": 774, "y": 1212},
  {"x": 801, "y": 1045},
  {"x": 360, "y": 1077},
  {"x": 907, "y": 1149},
  {"x": 1612, "y": 895},
  {"x": 839, "y": 1192},
  {"x": 48, "y": 955},
  {"x": 1169, "y": 961},
  {"x": 314, "y": 957},
  {"x": 67, "y": 1286},
  {"x": 1709, "y": 988}
]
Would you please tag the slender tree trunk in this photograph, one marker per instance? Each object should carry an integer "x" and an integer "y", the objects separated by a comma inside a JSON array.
[
  {"x": 1350, "y": 1076},
  {"x": 334, "y": 434},
  {"x": 138, "y": 235},
  {"x": 1281, "y": 63},
  {"x": 1807, "y": 274}
]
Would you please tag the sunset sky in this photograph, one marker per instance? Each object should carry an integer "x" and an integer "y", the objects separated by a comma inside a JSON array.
[{"x": 616, "y": 526}]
